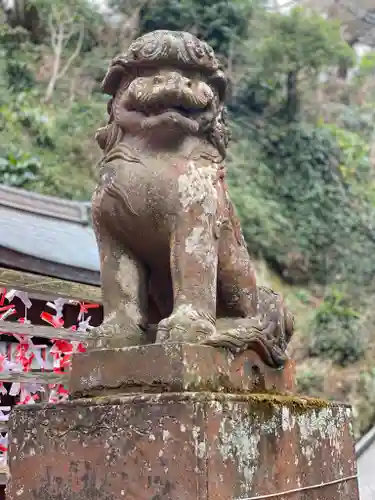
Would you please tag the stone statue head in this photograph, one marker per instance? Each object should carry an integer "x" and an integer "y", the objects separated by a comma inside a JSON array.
[{"x": 170, "y": 82}]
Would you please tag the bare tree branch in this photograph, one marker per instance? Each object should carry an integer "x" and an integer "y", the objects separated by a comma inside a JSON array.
[
  {"x": 75, "y": 54},
  {"x": 62, "y": 28}
]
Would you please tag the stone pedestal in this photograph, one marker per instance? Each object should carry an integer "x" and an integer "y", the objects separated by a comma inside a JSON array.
[
  {"x": 176, "y": 368},
  {"x": 208, "y": 438}
]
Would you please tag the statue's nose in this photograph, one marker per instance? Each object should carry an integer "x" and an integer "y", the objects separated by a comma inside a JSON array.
[
  {"x": 186, "y": 82},
  {"x": 178, "y": 82}
]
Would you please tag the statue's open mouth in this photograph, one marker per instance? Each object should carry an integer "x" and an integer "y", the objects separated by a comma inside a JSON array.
[
  {"x": 184, "y": 111},
  {"x": 181, "y": 109},
  {"x": 187, "y": 112}
]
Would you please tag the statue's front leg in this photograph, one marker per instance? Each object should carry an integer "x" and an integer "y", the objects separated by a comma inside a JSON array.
[
  {"x": 193, "y": 261},
  {"x": 250, "y": 317},
  {"x": 124, "y": 292}
]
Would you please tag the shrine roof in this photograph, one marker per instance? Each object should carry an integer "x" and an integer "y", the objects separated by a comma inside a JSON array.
[
  {"x": 47, "y": 235},
  {"x": 365, "y": 454}
]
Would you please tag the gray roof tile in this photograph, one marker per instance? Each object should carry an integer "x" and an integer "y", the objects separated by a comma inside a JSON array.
[{"x": 47, "y": 228}]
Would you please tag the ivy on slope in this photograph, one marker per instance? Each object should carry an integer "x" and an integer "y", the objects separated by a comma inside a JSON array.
[{"x": 298, "y": 210}]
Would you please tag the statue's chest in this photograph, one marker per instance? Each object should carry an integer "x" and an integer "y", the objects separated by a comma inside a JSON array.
[
  {"x": 107, "y": 174},
  {"x": 148, "y": 166},
  {"x": 161, "y": 180}
]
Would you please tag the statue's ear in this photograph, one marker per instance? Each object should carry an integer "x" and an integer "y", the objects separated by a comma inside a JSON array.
[
  {"x": 112, "y": 79},
  {"x": 109, "y": 106},
  {"x": 101, "y": 137},
  {"x": 220, "y": 83},
  {"x": 116, "y": 75}
]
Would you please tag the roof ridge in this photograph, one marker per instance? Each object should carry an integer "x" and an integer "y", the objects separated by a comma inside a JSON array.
[
  {"x": 48, "y": 206},
  {"x": 365, "y": 442}
]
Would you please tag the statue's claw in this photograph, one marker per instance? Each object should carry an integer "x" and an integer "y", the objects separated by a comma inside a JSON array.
[{"x": 185, "y": 325}]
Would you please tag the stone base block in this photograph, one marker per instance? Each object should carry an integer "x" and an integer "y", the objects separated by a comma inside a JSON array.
[
  {"x": 183, "y": 447},
  {"x": 174, "y": 368}
]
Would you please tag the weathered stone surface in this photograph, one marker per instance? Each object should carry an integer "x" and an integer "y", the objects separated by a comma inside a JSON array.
[
  {"x": 174, "y": 368},
  {"x": 182, "y": 447},
  {"x": 171, "y": 248}
]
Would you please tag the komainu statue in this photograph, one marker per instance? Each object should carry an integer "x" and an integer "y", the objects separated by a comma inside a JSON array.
[{"x": 171, "y": 248}]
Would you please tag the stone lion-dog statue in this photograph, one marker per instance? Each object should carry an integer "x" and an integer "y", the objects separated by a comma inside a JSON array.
[{"x": 171, "y": 248}]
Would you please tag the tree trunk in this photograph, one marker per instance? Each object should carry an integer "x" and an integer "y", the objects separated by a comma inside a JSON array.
[
  {"x": 55, "y": 73},
  {"x": 292, "y": 103}
]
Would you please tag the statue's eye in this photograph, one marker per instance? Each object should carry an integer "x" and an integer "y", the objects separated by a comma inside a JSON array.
[{"x": 157, "y": 80}]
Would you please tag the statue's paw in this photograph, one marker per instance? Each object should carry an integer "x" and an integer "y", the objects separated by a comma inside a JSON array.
[
  {"x": 258, "y": 334},
  {"x": 113, "y": 334},
  {"x": 234, "y": 333},
  {"x": 185, "y": 325}
]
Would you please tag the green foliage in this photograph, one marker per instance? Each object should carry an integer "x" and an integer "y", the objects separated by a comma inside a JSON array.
[
  {"x": 221, "y": 23},
  {"x": 73, "y": 13},
  {"x": 60, "y": 142},
  {"x": 336, "y": 330},
  {"x": 355, "y": 152},
  {"x": 367, "y": 66},
  {"x": 284, "y": 50},
  {"x": 19, "y": 169},
  {"x": 13, "y": 48},
  {"x": 95, "y": 64},
  {"x": 303, "y": 296},
  {"x": 297, "y": 209},
  {"x": 302, "y": 40},
  {"x": 19, "y": 112},
  {"x": 355, "y": 168},
  {"x": 309, "y": 382}
]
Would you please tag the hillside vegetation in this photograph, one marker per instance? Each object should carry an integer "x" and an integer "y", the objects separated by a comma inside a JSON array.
[{"x": 301, "y": 162}]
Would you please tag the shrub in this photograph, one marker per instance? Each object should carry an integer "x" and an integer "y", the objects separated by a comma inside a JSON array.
[
  {"x": 336, "y": 330},
  {"x": 223, "y": 24},
  {"x": 18, "y": 169},
  {"x": 13, "y": 42},
  {"x": 298, "y": 211},
  {"x": 309, "y": 382}
]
